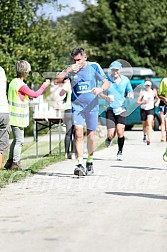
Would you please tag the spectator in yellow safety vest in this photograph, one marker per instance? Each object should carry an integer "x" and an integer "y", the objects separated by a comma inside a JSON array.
[{"x": 18, "y": 100}]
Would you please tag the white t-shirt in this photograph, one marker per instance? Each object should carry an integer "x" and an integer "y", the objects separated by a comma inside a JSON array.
[
  {"x": 148, "y": 95},
  {"x": 3, "y": 98}
]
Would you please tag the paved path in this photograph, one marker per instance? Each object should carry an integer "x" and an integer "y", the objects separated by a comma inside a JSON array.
[{"x": 121, "y": 208}]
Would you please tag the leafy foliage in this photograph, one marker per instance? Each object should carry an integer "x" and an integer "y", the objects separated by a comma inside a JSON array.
[
  {"x": 133, "y": 30},
  {"x": 24, "y": 35}
]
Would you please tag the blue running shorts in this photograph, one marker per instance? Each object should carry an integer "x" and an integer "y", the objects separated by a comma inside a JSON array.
[{"x": 89, "y": 118}]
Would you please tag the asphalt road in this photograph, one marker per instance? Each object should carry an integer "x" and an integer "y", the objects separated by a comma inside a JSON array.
[{"x": 121, "y": 208}]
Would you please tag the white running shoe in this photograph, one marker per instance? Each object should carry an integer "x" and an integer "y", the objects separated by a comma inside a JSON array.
[
  {"x": 73, "y": 156},
  {"x": 120, "y": 156}
]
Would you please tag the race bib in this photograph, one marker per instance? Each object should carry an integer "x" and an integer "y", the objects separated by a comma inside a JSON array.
[
  {"x": 83, "y": 87},
  {"x": 119, "y": 110}
]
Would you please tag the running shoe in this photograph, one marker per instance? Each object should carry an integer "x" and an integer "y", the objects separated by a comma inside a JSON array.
[
  {"x": 89, "y": 168},
  {"x": 144, "y": 138},
  {"x": 165, "y": 156},
  {"x": 148, "y": 141},
  {"x": 16, "y": 166},
  {"x": 79, "y": 170},
  {"x": 107, "y": 142},
  {"x": 120, "y": 156},
  {"x": 8, "y": 164},
  {"x": 66, "y": 156},
  {"x": 73, "y": 156},
  {"x": 69, "y": 156}
]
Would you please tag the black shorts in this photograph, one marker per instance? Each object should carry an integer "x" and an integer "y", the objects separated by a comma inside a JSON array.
[
  {"x": 112, "y": 120},
  {"x": 144, "y": 113},
  {"x": 163, "y": 109}
]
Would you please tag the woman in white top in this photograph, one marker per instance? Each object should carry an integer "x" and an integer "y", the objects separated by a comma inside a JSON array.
[{"x": 146, "y": 100}]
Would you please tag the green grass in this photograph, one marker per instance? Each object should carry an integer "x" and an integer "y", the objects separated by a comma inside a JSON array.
[
  {"x": 31, "y": 164},
  {"x": 12, "y": 176}
]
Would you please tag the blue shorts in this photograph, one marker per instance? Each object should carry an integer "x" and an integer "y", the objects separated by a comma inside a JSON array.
[{"x": 90, "y": 118}]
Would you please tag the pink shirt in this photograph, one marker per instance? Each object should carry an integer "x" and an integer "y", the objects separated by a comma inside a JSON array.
[{"x": 25, "y": 90}]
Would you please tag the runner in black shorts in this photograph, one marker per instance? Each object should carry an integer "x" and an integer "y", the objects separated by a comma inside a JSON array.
[
  {"x": 146, "y": 99},
  {"x": 116, "y": 112},
  {"x": 113, "y": 120},
  {"x": 144, "y": 113}
]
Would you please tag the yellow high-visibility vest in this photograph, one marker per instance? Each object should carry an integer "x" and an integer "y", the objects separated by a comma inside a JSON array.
[{"x": 18, "y": 109}]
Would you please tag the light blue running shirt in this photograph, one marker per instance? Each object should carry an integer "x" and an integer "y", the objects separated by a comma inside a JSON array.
[
  {"x": 82, "y": 83},
  {"x": 119, "y": 91}
]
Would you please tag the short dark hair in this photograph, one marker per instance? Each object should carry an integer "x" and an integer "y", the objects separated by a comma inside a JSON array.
[{"x": 78, "y": 50}]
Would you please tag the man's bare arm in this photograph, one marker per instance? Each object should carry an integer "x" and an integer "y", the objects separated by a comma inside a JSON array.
[
  {"x": 105, "y": 86},
  {"x": 60, "y": 77}
]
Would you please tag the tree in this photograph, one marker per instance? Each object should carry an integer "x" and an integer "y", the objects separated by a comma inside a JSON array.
[
  {"x": 24, "y": 35},
  {"x": 133, "y": 30}
]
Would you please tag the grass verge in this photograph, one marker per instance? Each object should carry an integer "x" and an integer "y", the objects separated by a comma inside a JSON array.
[
  {"x": 32, "y": 165},
  {"x": 12, "y": 176}
]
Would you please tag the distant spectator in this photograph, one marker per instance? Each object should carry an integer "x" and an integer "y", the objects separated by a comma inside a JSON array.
[{"x": 4, "y": 116}]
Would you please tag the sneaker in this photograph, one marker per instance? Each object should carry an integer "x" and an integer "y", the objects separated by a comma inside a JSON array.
[
  {"x": 107, "y": 142},
  {"x": 16, "y": 166},
  {"x": 144, "y": 138},
  {"x": 67, "y": 156},
  {"x": 79, "y": 170},
  {"x": 165, "y": 156},
  {"x": 73, "y": 156},
  {"x": 8, "y": 164},
  {"x": 89, "y": 168},
  {"x": 148, "y": 142},
  {"x": 120, "y": 156}
]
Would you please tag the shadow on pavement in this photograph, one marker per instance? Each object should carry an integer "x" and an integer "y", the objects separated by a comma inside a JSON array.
[
  {"x": 142, "y": 195},
  {"x": 58, "y": 174},
  {"x": 137, "y": 167}
]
